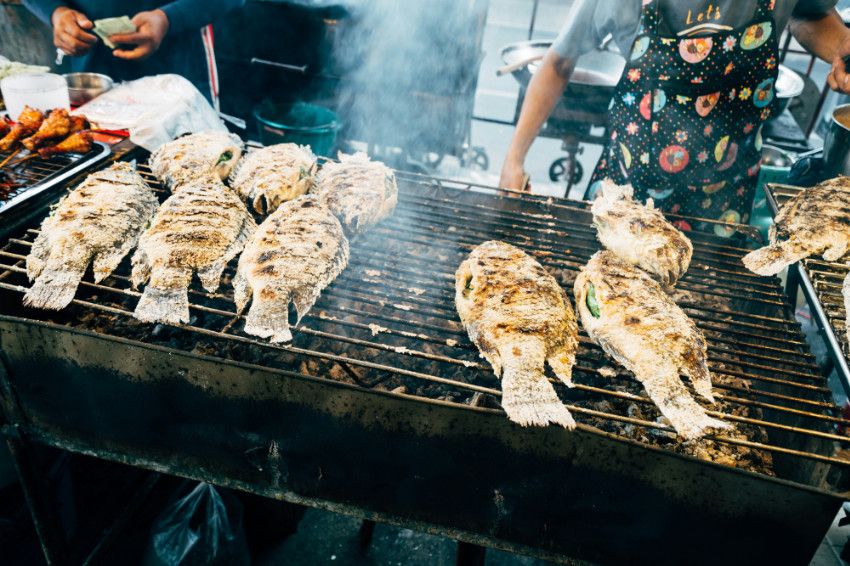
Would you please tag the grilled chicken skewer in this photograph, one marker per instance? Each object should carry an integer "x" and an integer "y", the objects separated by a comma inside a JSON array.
[
  {"x": 270, "y": 176},
  {"x": 28, "y": 122},
  {"x": 630, "y": 316},
  {"x": 200, "y": 228},
  {"x": 196, "y": 156},
  {"x": 56, "y": 125},
  {"x": 100, "y": 221},
  {"x": 294, "y": 254},
  {"x": 360, "y": 192},
  {"x": 520, "y": 319},
  {"x": 815, "y": 222},
  {"x": 640, "y": 235}
]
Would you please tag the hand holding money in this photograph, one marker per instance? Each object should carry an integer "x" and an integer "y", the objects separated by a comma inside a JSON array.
[
  {"x": 70, "y": 31},
  {"x": 108, "y": 27},
  {"x": 151, "y": 28}
]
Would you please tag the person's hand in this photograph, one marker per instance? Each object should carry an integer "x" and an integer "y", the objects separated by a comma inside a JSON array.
[
  {"x": 70, "y": 31},
  {"x": 151, "y": 28},
  {"x": 839, "y": 76},
  {"x": 513, "y": 176}
]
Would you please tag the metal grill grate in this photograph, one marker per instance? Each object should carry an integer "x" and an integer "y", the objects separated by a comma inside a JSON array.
[
  {"x": 389, "y": 322},
  {"x": 821, "y": 282},
  {"x": 41, "y": 172}
]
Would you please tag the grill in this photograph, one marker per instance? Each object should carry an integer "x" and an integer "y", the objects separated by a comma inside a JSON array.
[
  {"x": 43, "y": 173},
  {"x": 381, "y": 408},
  {"x": 821, "y": 283}
]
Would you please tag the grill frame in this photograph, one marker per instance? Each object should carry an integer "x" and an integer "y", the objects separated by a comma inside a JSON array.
[
  {"x": 81, "y": 403},
  {"x": 813, "y": 275}
]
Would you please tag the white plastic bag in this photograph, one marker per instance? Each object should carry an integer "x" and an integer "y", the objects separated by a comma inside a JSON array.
[{"x": 154, "y": 109}]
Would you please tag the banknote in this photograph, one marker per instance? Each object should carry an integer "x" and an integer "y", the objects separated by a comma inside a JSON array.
[{"x": 111, "y": 26}]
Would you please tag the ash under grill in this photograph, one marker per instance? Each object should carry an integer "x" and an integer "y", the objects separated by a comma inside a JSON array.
[{"x": 389, "y": 323}]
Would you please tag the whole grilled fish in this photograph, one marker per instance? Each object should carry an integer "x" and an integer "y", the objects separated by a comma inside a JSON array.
[
  {"x": 630, "y": 316},
  {"x": 360, "y": 192},
  {"x": 199, "y": 228},
  {"x": 519, "y": 318},
  {"x": 195, "y": 156},
  {"x": 100, "y": 221},
  {"x": 640, "y": 234},
  {"x": 816, "y": 221},
  {"x": 267, "y": 177},
  {"x": 294, "y": 254}
]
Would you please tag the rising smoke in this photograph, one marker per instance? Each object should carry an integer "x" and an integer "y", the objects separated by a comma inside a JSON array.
[{"x": 410, "y": 70}]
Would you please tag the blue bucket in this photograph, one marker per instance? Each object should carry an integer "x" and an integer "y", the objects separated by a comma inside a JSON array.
[{"x": 299, "y": 122}]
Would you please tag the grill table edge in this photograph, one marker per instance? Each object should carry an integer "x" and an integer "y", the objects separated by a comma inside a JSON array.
[{"x": 461, "y": 472}]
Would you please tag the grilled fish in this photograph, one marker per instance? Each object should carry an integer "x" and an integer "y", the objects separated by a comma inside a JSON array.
[
  {"x": 100, "y": 221},
  {"x": 360, "y": 192},
  {"x": 816, "y": 221},
  {"x": 640, "y": 235},
  {"x": 630, "y": 316},
  {"x": 194, "y": 156},
  {"x": 520, "y": 319},
  {"x": 294, "y": 254},
  {"x": 199, "y": 228},
  {"x": 267, "y": 177}
]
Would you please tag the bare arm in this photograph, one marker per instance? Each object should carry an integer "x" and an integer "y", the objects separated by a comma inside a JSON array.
[
  {"x": 828, "y": 38},
  {"x": 545, "y": 89}
]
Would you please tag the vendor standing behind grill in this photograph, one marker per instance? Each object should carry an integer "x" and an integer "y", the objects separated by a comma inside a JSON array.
[
  {"x": 169, "y": 37},
  {"x": 685, "y": 121}
]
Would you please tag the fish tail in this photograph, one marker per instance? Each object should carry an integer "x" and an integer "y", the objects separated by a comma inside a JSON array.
[
  {"x": 53, "y": 290},
  {"x": 163, "y": 305},
  {"x": 772, "y": 259},
  {"x": 675, "y": 402},
  {"x": 527, "y": 396},
  {"x": 562, "y": 361},
  {"x": 269, "y": 319}
]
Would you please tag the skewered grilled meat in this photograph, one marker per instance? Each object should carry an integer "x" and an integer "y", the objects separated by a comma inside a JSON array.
[
  {"x": 4, "y": 127},
  {"x": 640, "y": 235},
  {"x": 79, "y": 123},
  {"x": 267, "y": 177},
  {"x": 520, "y": 319},
  {"x": 297, "y": 252},
  {"x": 360, "y": 192},
  {"x": 56, "y": 125},
  {"x": 100, "y": 221},
  {"x": 199, "y": 228},
  {"x": 195, "y": 156},
  {"x": 815, "y": 221},
  {"x": 78, "y": 142},
  {"x": 28, "y": 123},
  {"x": 630, "y": 316}
]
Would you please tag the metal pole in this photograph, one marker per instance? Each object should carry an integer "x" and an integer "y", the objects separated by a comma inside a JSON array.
[{"x": 534, "y": 6}]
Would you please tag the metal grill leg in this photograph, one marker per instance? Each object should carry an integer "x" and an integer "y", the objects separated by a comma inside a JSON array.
[{"x": 470, "y": 554}]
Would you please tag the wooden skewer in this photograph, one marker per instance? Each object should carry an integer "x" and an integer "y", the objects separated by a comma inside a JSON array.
[
  {"x": 21, "y": 160},
  {"x": 9, "y": 158}
]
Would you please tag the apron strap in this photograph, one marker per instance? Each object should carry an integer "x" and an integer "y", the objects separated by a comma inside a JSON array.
[{"x": 649, "y": 17}]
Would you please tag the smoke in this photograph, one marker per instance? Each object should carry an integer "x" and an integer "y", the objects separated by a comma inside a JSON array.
[{"x": 410, "y": 69}]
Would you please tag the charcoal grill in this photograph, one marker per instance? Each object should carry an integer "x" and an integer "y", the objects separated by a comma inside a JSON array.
[
  {"x": 381, "y": 408},
  {"x": 821, "y": 283}
]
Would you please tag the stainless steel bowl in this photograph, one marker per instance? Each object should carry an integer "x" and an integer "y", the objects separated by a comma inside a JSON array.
[
  {"x": 788, "y": 85},
  {"x": 83, "y": 87}
]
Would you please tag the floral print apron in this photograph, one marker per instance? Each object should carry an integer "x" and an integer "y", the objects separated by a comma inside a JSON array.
[{"x": 685, "y": 121}]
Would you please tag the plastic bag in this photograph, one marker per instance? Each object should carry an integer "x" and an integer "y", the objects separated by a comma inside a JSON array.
[
  {"x": 199, "y": 529},
  {"x": 154, "y": 109}
]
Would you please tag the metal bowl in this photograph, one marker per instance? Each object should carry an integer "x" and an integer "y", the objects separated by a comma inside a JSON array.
[
  {"x": 83, "y": 87},
  {"x": 788, "y": 85},
  {"x": 599, "y": 68}
]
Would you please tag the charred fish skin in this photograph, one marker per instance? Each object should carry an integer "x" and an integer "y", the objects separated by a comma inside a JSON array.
[
  {"x": 100, "y": 221},
  {"x": 196, "y": 156},
  {"x": 199, "y": 229},
  {"x": 519, "y": 318},
  {"x": 267, "y": 177},
  {"x": 359, "y": 191},
  {"x": 640, "y": 235},
  {"x": 295, "y": 253},
  {"x": 629, "y": 315},
  {"x": 815, "y": 222}
]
